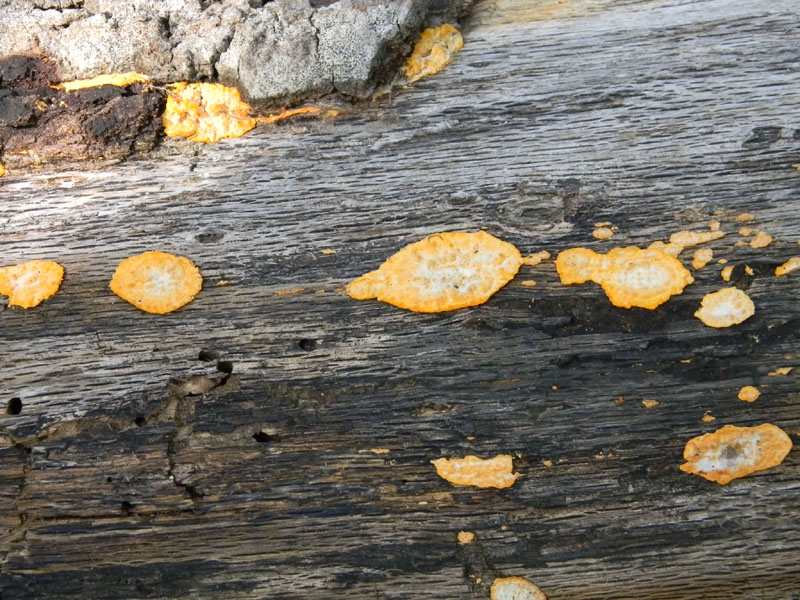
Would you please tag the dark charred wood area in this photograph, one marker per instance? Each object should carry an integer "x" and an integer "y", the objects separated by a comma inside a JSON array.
[
  {"x": 228, "y": 450},
  {"x": 42, "y": 125}
]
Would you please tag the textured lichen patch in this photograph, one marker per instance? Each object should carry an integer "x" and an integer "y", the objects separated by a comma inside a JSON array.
[
  {"x": 496, "y": 472},
  {"x": 206, "y": 112},
  {"x": 726, "y": 307},
  {"x": 434, "y": 50},
  {"x": 30, "y": 283},
  {"x": 444, "y": 271},
  {"x": 733, "y": 452},
  {"x": 157, "y": 282}
]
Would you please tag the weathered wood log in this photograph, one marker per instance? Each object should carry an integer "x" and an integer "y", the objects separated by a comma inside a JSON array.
[{"x": 118, "y": 482}]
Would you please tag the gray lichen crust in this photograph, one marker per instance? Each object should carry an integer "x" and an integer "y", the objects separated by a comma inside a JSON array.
[{"x": 271, "y": 50}]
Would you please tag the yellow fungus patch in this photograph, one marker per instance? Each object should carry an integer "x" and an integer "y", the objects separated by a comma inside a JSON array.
[
  {"x": 528, "y": 283},
  {"x": 602, "y": 233},
  {"x": 740, "y": 243},
  {"x": 708, "y": 418},
  {"x": 733, "y": 452},
  {"x": 693, "y": 238},
  {"x": 790, "y": 266},
  {"x": 117, "y": 79},
  {"x": 157, "y": 282},
  {"x": 30, "y": 283},
  {"x": 762, "y": 240},
  {"x": 291, "y": 112},
  {"x": 534, "y": 259},
  {"x": 603, "y": 224},
  {"x": 780, "y": 371},
  {"x": 206, "y": 112},
  {"x": 647, "y": 403},
  {"x": 726, "y": 307},
  {"x": 746, "y": 231},
  {"x": 434, "y": 50},
  {"x": 714, "y": 225},
  {"x": 702, "y": 256},
  {"x": 494, "y": 472},
  {"x": 722, "y": 261},
  {"x": 444, "y": 271},
  {"x": 547, "y": 463},
  {"x": 726, "y": 273},
  {"x": 515, "y": 588},
  {"x": 223, "y": 282},
  {"x": 328, "y": 251},
  {"x": 466, "y": 537},
  {"x": 629, "y": 276},
  {"x": 748, "y": 393},
  {"x": 2, "y": 170},
  {"x": 379, "y": 450},
  {"x": 290, "y": 292},
  {"x": 745, "y": 218}
]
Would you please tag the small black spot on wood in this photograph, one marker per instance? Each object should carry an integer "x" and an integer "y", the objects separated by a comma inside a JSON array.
[
  {"x": 14, "y": 406},
  {"x": 307, "y": 344},
  {"x": 262, "y": 437}
]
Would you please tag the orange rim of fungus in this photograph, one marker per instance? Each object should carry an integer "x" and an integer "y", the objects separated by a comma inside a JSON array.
[
  {"x": 629, "y": 276},
  {"x": 157, "y": 282},
  {"x": 30, "y": 283},
  {"x": 442, "y": 272},
  {"x": 725, "y": 307},
  {"x": 732, "y": 452},
  {"x": 115, "y": 79},
  {"x": 495, "y": 472},
  {"x": 434, "y": 50}
]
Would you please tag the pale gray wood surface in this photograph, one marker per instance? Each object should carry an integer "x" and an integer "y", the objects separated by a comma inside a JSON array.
[{"x": 651, "y": 115}]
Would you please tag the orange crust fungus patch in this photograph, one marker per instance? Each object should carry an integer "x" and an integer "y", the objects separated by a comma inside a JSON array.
[
  {"x": 702, "y": 257},
  {"x": 434, "y": 50},
  {"x": 726, "y": 273},
  {"x": 745, "y": 218},
  {"x": 726, "y": 307},
  {"x": 762, "y": 240},
  {"x": 714, "y": 225},
  {"x": 780, "y": 371},
  {"x": 602, "y": 233},
  {"x": 746, "y": 231},
  {"x": 117, "y": 79},
  {"x": 157, "y": 282},
  {"x": 206, "y": 112},
  {"x": 515, "y": 588},
  {"x": 493, "y": 472},
  {"x": 2, "y": 170},
  {"x": 444, "y": 271},
  {"x": 693, "y": 238},
  {"x": 532, "y": 260},
  {"x": 629, "y": 276},
  {"x": 748, "y": 393},
  {"x": 733, "y": 452},
  {"x": 30, "y": 283},
  {"x": 790, "y": 266},
  {"x": 466, "y": 537}
]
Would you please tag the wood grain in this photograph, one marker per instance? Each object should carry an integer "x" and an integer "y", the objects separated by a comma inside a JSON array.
[{"x": 651, "y": 115}]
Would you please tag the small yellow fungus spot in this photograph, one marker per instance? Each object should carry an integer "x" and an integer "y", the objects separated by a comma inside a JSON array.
[
  {"x": 444, "y": 271},
  {"x": 554, "y": 387},
  {"x": 379, "y": 450},
  {"x": 602, "y": 233},
  {"x": 629, "y": 276},
  {"x": 749, "y": 270},
  {"x": 686, "y": 361},
  {"x": 547, "y": 463},
  {"x": 603, "y": 224},
  {"x": 733, "y": 452},
  {"x": 650, "y": 403},
  {"x": 796, "y": 166},
  {"x": 30, "y": 283},
  {"x": 117, "y": 79},
  {"x": 515, "y": 588},
  {"x": 722, "y": 261},
  {"x": 740, "y": 243},
  {"x": 693, "y": 238},
  {"x": 708, "y": 417},
  {"x": 2, "y": 170},
  {"x": 223, "y": 282},
  {"x": 434, "y": 50},
  {"x": 466, "y": 537},
  {"x": 726, "y": 273},
  {"x": 528, "y": 283},
  {"x": 206, "y": 112},
  {"x": 790, "y": 266},
  {"x": 619, "y": 401},
  {"x": 748, "y": 394},
  {"x": 157, "y": 282},
  {"x": 726, "y": 307},
  {"x": 745, "y": 218},
  {"x": 762, "y": 240},
  {"x": 491, "y": 472},
  {"x": 702, "y": 256},
  {"x": 291, "y": 292},
  {"x": 780, "y": 371},
  {"x": 714, "y": 225},
  {"x": 328, "y": 251},
  {"x": 746, "y": 231},
  {"x": 532, "y": 260}
]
